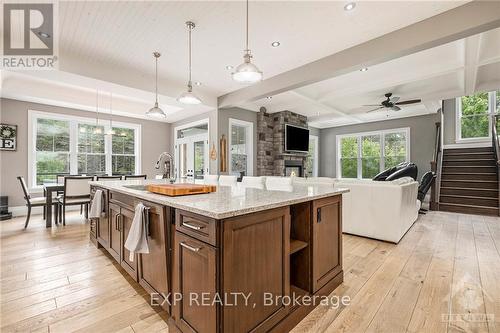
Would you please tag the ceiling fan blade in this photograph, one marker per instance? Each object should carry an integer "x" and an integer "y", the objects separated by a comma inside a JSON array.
[
  {"x": 394, "y": 99},
  {"x": 381, "y": 107},
  {"x": 395, "y": 108},
  {"x": 372, "y": 105},
  {"x": 411, "y": 101}
]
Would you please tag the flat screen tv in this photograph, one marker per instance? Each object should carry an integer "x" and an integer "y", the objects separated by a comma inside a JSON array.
[{"x": 296, "y": 139}]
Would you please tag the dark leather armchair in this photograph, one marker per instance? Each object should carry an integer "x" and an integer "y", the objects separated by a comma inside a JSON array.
[{"x": 403, "y": 169}]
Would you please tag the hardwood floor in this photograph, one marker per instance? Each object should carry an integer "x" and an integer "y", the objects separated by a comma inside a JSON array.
[{"x": 442, "y": 277}]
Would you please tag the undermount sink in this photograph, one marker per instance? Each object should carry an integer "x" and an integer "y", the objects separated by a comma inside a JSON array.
[{"x": 136, "y": 187}]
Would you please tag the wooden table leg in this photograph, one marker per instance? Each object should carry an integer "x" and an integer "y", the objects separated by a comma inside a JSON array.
[{"x": 48, "y": 217}]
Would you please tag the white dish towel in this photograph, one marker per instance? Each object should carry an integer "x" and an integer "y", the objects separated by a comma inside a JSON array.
[
  {"x": 137, "y": 239},
  {"x": 96, "y": 208}
]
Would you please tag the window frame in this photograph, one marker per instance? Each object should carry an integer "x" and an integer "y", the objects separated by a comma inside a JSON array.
[
  {"x": 458, "y": 119},
  {"x": 34, "y": 115},
  {"x": 359, "y": 135},
  {"x": 249, "y": 144},
  {"x": 314, "y": 139}
]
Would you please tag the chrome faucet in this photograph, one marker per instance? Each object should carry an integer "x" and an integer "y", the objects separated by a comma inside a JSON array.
[{"x": 168, "y": 166}]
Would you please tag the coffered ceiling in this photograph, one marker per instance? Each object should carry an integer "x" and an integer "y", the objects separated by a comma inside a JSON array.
[{"x": 451, "y": 70}]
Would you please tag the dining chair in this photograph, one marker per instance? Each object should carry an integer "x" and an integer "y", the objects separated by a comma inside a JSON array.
[
  {"x": 210, "y": 179},
  {"x": 76, "y": 192},
  {"x": 278, "y": 181},
  {"x": 127, "y": 177},
  {"x": 32, "y": 202},
  {"x": 109, "y": 178},
  {"x": 225, "y": 180},
  {"x": 253, "y": 182}
]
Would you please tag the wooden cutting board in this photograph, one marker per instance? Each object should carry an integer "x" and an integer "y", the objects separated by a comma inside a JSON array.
[{"x": 174, "y": 190}]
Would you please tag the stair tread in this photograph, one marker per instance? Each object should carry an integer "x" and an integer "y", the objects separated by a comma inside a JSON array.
[
  {"x": 468, "y": 166},
  {"x": 467, "y": 196},
  {"x": 469, "y": 180},
  {"x": 468, "y": 206},
  {"x": 468, "y": 188},
  {"x": 470, "y": 173}
]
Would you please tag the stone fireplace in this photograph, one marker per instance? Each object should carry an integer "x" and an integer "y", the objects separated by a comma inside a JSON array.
[{"x": 272, "y": 160}]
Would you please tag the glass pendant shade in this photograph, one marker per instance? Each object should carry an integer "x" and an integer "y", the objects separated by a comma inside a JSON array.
[
  {"x": 156, "y": 112},
  {"x": 247, "y": 72}
]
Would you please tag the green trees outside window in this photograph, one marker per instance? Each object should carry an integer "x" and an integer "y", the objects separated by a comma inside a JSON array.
[
  {"x": 123, "y": 151},
  {"x": 475, "y": 116}
]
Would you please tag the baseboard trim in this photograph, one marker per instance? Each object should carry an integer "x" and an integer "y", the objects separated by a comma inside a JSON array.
[
  {"x": 467, "y": 145},
  {"x": 23, "y": 210}
]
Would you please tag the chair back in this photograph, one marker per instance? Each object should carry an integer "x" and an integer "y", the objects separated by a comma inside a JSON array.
[
  {"x": 25, "y": 188},
  {"x": 425, "y": 184},
  {"x": 60, "y": 179},
  {"x": 278, "y": 181},
  {"x": 210, "y": 179},
  {"x": 77, "y": 187},
  {"x": 253, "y": 182},
  {"x": 135, "y": 177},
  {"x": 109, "y": 178},
  {"x": 225, "y": 180}
]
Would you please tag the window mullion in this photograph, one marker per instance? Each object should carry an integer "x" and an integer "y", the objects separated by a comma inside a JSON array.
[
  {"x": 73, "y": 150},
  {"x": 360, "y": 158},
  {"x": 382, "y": 151}
]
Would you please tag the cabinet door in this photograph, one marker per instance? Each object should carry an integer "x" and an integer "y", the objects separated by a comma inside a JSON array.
[
  {"x": 194, "y": 275},
  {"x": 256, "y": 261},
  {"x": 327, "y": 240},
  {"x": 126, "y": 218},
  {"x": 153, "y": 266},
  {"x": 115, "y": 240},
  {"x": 103, "y": 225}
]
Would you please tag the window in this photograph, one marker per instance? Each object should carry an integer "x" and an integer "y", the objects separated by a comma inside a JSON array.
[
  {"x": 474, "y": 115},
  {"x": 240, "y": 147},
  {"x": 52, "y": 149},
  {"x": 311, "y": 164},
  {"x": 61, "y": 144},
  {"x": 364, "y": 155}
]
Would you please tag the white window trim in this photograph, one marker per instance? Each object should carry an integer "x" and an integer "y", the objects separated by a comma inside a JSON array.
[
  {"x": 249, "y": 143},
  {"x": 34, "y": 115},
  {"x": 458, "y": 120},
  {"x": 315, "y": 139},
  {"x": 382, "y": 133}
]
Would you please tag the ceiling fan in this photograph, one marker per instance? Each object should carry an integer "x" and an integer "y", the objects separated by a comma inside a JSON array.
[{"x": 392, "y": 103}]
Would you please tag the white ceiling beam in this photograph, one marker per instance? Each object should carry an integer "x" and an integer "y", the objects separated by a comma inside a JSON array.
[
  {"x": 472, "y": 46},
  {"x": 323, "y": 106},
  {"x": 461, "y": 22}
]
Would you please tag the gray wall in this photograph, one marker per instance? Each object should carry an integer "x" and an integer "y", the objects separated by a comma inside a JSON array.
[
  {"x": 155, "y": 139},
  {"x": 212, "y": 134},
  {"x": 422, "y": 137},
  {"x": 240, "y": 114},
  {"x": 449, "y": 121}
]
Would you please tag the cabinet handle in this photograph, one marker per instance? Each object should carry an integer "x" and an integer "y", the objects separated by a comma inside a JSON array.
[
  {"x": 116, "y": 221},
  {"x": 189, "y": 247},
  {"x": 318, "y": 215},
  {"x": 192, "y": 226}
]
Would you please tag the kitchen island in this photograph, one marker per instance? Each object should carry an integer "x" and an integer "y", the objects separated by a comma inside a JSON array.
[{"x": 236, "y": 260}]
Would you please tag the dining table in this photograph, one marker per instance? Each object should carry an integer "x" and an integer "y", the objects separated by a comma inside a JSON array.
[{"x": 50, "y": 188}]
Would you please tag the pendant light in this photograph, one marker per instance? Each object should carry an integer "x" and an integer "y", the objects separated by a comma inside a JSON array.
[
  {"x": 110, "y": 131},
  {"x": 247, "y": 72},
  {"x": 189, "y": 97},
  {"x": 155, "y": 111},
  {"x": 97, "y": 129}
]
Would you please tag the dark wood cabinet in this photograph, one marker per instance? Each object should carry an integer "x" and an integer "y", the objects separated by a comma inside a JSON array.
[
  {"x": 103, "y": 227},
  {"x": 327, "y": 240},
  {"x": 115, "y": 237},
  {"x": 153, "y": 267},
  {"x": 194, "y": 275},
  {"x": 125, "y": 222},
  {"x": 256, "y": 261}
]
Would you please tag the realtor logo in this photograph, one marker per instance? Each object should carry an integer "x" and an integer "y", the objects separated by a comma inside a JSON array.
[{"x": 28, "y": 35}]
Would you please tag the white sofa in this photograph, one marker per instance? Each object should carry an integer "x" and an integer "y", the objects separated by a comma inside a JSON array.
[{"x": 380, "y": 210}]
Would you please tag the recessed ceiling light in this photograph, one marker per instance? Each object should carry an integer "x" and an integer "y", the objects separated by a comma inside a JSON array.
[
  {"x": 43, "y": 34},
  {"x": 275, "y": 44},
  {"x": 229, "y": 67},
  {"x": 364, "y": 69},
  {"x": 350, "y": 6},
  {"x": 198, "y": 83}
]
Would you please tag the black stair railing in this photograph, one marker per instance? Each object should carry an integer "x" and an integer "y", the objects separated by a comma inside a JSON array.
[
  {"x": 436, "y": 164},
  {"x": 496, "y": 149}
]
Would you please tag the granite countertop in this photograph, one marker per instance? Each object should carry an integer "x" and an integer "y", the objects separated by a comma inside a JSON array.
[{"x": 227, "y": 201}]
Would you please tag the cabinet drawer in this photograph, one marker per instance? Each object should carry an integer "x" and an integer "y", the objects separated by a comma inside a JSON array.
[
  {"x": 197, "y": 226},
  {"x": 122, "y": 200}
]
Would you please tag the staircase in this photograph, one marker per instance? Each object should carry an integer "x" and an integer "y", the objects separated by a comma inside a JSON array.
[{"x": 469, "y": 181}]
